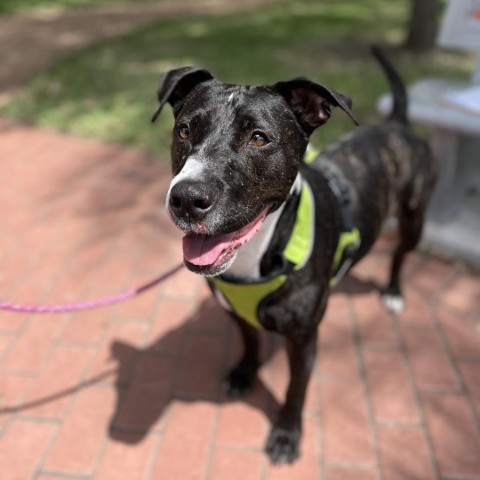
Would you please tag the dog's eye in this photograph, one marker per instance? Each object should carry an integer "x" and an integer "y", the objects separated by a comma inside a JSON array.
[
  {"x": 183, "y": 132},
  {"x": 258, "y": 140}
]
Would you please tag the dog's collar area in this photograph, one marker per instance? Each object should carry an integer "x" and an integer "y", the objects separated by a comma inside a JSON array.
[
  {"x": 262, "y": 257},
  {"x": 246, "y": 296},
  {"x": 273, "y": 261},
  {"x": 291, "y": 248}
]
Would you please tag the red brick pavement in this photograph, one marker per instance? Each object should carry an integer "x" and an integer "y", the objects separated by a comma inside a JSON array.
[{"x": 132, "y": 391}]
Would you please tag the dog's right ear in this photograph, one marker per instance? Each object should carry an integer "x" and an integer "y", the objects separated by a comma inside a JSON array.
[
  {"x": 311, "y": 102},
  {"x": 176, "y": 84}
]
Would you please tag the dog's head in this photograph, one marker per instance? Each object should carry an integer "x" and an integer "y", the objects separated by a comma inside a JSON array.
[{"x": 236, "y": 151}]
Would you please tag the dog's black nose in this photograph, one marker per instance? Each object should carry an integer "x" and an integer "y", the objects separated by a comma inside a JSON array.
[{"x": 191, "y": 200}]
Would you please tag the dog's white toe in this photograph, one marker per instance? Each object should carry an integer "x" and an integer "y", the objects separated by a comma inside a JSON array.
[{"x": 393, "y": 303}]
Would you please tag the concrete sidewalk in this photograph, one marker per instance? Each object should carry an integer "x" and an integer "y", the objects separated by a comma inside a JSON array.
[{"x": 133, "y": 391}]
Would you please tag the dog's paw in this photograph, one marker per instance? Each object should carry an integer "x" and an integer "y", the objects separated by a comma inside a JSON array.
[
  {"x": 283, "y": 446},
  {"x": 393, "y": 302},
  {"x": 239, "y": 381}
]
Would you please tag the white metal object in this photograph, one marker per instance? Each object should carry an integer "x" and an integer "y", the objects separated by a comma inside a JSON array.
[
  {"x": 461, "y": 29},
  {"x": 453, "y": 221}
]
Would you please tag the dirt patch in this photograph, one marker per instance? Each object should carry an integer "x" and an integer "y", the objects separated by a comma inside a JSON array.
[{"x": 31, "y": 41}]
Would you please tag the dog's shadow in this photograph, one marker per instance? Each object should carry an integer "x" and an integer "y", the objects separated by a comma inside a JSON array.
[
  {"x": 187, "y": 363},
  {"x": 354, "y": 285}
]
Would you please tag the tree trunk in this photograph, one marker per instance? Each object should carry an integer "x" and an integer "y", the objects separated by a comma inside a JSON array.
[{"x": 422, "y": 30}]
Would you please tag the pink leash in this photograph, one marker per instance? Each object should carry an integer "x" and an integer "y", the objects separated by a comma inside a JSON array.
[{"x": 100, "y": 302}]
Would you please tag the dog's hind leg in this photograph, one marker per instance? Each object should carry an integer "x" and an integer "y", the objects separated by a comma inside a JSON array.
[
  {"x": 240, "y": 379},
  {"x": 410, "y": 225}
]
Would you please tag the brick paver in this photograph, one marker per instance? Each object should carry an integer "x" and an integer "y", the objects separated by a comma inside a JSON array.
[{"x": 134, "y": 391}]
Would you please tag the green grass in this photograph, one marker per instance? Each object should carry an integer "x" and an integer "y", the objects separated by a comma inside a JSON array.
[
  {"x": 8, "y": 6},
  {"x": 107, "y": 91}
]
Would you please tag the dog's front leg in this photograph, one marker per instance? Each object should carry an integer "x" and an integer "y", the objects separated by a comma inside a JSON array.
[
  {"x": 240, "y": 379},
  {"x": 284, "y": 440}
]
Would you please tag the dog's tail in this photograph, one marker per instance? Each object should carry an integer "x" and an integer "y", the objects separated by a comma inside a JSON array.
[{"x": 399, "y": 92}]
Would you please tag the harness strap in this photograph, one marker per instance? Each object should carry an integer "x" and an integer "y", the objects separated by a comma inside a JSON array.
[
  {"x": 348, "y": 244},
  {"x": 299, "y": 246},
  {"x": 245, "y": 297},
  {"x": 349, "y": 241}
]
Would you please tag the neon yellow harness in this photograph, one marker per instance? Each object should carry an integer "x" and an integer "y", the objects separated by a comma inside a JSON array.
[{"x": 245, "y": 298}]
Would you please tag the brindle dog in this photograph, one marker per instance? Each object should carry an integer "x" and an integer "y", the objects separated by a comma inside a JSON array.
[{"x": 238, "y": 176}]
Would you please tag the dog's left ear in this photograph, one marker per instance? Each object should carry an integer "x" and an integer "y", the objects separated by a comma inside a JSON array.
[
  {"x": 311, "y": 102},
  {"x": 176, "y": 84}
]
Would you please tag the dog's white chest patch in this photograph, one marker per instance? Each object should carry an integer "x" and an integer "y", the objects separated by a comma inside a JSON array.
[{"x": 247, "y": 261}]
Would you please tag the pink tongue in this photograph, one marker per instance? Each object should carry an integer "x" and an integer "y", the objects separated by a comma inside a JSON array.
[{"x": 205, "y": 250}]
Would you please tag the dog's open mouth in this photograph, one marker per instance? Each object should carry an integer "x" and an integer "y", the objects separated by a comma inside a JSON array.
[{"x": 206, "y": 251}]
